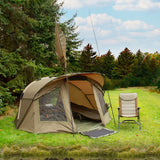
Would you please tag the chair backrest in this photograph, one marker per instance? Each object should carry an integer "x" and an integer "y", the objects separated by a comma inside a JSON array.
[{"x": 128, "y": 104}]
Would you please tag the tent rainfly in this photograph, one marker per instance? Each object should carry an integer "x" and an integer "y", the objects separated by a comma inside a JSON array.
[{"x": 54, "y": 104}]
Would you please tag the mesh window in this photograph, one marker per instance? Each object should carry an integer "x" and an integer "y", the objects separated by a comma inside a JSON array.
[
  {"x": 102, "y": 102},
  {"x": 51, "y": 107}
]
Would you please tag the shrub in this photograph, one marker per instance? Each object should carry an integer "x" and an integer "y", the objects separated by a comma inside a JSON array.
[
  {"x": 108, "y": 84},
  {"x": 5, "y": 99},
  {"x": 158, "y": 85}
]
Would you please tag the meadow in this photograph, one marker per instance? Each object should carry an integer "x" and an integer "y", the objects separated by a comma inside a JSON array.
[{"x": 129, "y": 141}]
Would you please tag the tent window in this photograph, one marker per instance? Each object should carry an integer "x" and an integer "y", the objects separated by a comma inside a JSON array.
[
  {"x": 102, "y": 102},
  {"x": 51, "y": 107}
]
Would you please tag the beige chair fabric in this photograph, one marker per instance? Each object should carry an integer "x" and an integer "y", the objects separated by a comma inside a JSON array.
[{"x": 128, "y": 107}]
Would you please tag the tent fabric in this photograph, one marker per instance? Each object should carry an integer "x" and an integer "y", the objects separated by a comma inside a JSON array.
[
  {"x": 60, "y": 45},
  {"x": 105, "y": 117},
  {"x": 51, "y": 103},
  {"x": 89, "y": 113}
]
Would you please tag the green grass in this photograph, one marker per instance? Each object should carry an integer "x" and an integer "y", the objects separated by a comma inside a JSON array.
[{"x": 128, "y": 140}]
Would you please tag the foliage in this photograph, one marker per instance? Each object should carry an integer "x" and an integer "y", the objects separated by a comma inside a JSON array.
[
  {"x": 105, "y": 64},
  {"x": 158, "y": 85},
  {"x": 87, "y": 59},
  {"x": 5, "y": 99},
  {"x": 73, "y": 43},
  {"x": 124, "y": 63},
  {"x": 108, "y": 84},
  {"x": 27, "y": 38}
]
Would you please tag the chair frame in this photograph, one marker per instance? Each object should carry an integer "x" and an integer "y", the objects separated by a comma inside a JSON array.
[{"x": 138, "y": 122}]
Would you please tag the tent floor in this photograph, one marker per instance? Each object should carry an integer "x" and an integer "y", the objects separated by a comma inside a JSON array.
[{"x": 86, "y": 125}]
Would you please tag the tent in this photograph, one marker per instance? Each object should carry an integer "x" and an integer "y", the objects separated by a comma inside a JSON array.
[{"x": 60, "y": 104}]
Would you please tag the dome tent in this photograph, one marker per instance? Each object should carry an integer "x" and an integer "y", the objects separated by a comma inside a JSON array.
[{"x": 54, "y": 104}]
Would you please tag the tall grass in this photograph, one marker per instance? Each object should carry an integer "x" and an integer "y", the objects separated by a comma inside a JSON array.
[{"x": 129, "y": 137}]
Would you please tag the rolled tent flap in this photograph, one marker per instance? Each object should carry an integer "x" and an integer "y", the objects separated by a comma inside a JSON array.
[{"x": 60, "y": 45}]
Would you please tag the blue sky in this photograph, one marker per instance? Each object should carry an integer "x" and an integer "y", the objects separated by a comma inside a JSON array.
[{"x": 118, "y": 24}]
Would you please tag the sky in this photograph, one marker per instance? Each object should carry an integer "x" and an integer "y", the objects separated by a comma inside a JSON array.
[{"x": 116, "y": 24}]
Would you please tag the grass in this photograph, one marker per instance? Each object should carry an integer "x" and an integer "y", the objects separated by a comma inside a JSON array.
[{"x": 128, "y": 141}]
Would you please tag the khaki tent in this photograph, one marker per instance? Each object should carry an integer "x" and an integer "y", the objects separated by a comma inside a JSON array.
[{"x": 54, "y": 104}]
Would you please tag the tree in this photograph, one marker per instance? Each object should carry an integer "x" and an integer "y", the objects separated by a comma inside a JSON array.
[
  {"x": 73, "y": 42},
  {"x": 29, "y": 29},
  {"x": 27, "y": 39},
  {"x": 108, "y": 62},
  {"x": 150, "y": 69},
  {"x": 87, "y": 59},
  {"x": 137, "y": 69},
  {"x": 124, "y": 64}
]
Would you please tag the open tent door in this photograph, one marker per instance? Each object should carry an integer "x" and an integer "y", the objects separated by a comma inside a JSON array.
[
  {"x": 101, "y": 130},
  {"x": 103, "y": 111},
  {"x": 88, "y": 108}
]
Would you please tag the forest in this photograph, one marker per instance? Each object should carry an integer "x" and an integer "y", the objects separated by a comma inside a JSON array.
[{"x": 27, "y": 52}]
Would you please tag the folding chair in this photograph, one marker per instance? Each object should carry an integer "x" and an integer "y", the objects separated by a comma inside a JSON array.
[{"x": 128, "y": 108}]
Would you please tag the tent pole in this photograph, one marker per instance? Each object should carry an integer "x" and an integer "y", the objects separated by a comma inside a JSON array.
[{"x": 111, "y": 106}]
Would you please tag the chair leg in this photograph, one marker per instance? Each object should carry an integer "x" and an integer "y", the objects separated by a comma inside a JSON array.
[
  {"x": 118, "y": 122},
  {"x": 118, "y": 118},
  {"x": 139, "y": 122}
]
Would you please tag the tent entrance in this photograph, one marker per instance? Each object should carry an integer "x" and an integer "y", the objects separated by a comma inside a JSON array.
[
  {"x": 85, "y": 119},
  {"x": 88, "y": 122},
  {"x": 92, "y": 129},
  {"x": 86, "y": 125}
]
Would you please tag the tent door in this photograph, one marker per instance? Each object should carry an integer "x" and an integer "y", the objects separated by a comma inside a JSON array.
[{"x": 104, "y": 114}]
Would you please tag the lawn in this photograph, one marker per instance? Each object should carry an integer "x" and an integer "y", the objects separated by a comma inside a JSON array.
[{"x": 128, "y": 141}]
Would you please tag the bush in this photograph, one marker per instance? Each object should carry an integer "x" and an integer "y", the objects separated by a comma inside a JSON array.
[
  {"x": 108, "y": 84},
  {"x": 119, "y": 83},
  {"x": 158, "y": 85},
  {"x": 5, "y": 99}
]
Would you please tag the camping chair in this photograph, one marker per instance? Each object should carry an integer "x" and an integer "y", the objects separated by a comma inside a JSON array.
[{"x": 128, "y": 108}]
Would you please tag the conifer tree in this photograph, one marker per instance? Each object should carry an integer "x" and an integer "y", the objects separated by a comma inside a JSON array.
[
  {"x": 124, "y": 64},
  {"x": 87, "y": 59},
  {"x": 108, "y": 64}
]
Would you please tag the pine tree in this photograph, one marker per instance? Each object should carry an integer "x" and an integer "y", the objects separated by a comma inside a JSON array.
[
  {"x": 108, "y": 64},
  {"x": 72, "y": 43},
  {"x": 124, "y": 63},
  {"x": 87, "y": 59}
]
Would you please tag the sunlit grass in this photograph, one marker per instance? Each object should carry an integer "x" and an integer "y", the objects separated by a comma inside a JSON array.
[
  {"x": 149, "y": 104},
  {"x": 128, "y": 137}
]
